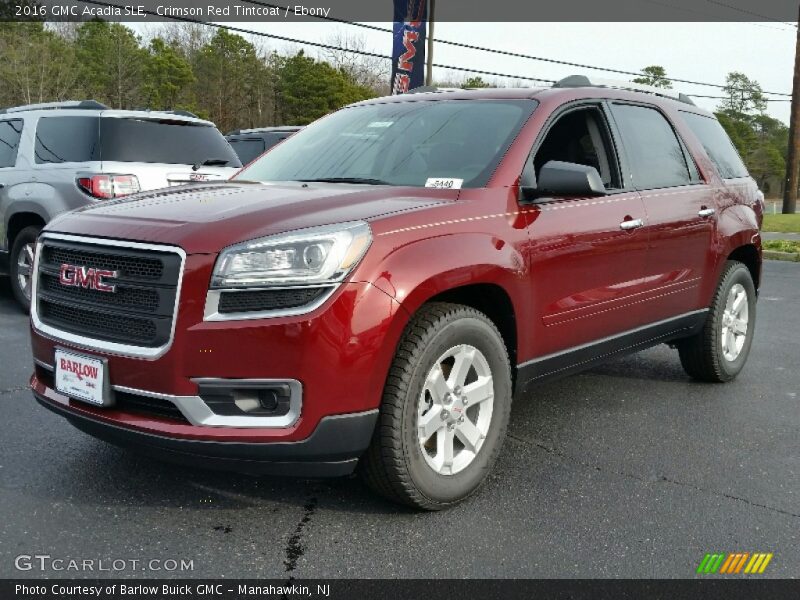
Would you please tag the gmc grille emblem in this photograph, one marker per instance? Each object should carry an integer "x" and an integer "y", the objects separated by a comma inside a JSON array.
[{"x": 87, "y": 277}]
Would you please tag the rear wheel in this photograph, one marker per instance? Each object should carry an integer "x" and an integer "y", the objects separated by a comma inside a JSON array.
[
  {"x": 718, "y": 353},
  {"x": 445, "y": 409},
  {"x": 21, "y": 265}
]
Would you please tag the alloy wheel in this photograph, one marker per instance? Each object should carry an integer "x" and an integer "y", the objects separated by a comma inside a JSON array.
[
  {"x": 455, "y": 409},
  {"x": 735, "y": 320}
]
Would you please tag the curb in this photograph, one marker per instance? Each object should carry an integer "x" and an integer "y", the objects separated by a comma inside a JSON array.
[{"x": 787, "y": 256}]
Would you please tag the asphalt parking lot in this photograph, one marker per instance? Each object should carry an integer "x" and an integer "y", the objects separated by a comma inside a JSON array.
[{"x": 630, "y": 470}]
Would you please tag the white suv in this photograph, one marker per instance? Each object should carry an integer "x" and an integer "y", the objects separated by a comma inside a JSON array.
[{"x": 61, "y": 156}]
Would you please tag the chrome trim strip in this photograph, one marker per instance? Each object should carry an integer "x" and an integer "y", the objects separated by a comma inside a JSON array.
[
  {"x": 44, "y": 365},
  {"x": 198, "y": 413},
  {"x": 211, "y": 311},
  {"x": 88, "y": 343}
]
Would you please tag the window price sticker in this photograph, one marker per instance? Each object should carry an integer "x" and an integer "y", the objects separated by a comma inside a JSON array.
[{"x": 443, "y": 183}]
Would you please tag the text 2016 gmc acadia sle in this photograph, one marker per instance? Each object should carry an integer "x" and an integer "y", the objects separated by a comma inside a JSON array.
[{"x": 373, "y": 291}]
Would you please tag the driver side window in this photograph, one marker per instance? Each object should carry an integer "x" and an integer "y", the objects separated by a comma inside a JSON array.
[{"x": 581, "y": 136}]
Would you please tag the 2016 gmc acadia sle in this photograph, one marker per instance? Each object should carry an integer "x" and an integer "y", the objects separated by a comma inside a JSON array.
[{"x": 373, "y": 291}]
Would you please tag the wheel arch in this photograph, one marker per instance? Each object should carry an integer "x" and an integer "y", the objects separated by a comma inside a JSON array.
[
  {"x": 20, "y": 220},
  {"x": 472, "y": 269},
  {"x": 750, "y": 256}
]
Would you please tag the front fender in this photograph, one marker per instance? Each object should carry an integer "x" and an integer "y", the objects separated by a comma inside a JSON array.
[{"x": 416, "y": 271}]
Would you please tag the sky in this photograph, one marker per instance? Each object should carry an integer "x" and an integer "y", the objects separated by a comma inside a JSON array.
[{"x": 692, "y": 51}]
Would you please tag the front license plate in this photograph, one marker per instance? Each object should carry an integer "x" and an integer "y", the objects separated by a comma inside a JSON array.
[{"x": 82, "y": 377}]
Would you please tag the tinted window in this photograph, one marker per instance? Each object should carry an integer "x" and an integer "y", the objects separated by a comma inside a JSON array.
[
  {"x": 10, "y": 132},
  {"x": 655, "y": 154},
  {"x": 163, "y": 141},
  {"x": 400, "y": 143},
  {"x": 67, "y": 139},
  {"x": 247, "y": 149},
  {"x": 718, "y": 145},
  {"x": 580, "y": 137}
]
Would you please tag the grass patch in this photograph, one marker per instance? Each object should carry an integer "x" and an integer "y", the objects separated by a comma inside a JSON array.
[
  {"x": 782, "y": 223},
  {"x": 782, "y": 246}
]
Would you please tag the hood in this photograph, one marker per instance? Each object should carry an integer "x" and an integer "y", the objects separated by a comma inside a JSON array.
[{"x": 205, "y": 218}]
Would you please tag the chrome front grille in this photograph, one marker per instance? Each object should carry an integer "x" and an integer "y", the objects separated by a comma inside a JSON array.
[{"x": 136, "y": 318}]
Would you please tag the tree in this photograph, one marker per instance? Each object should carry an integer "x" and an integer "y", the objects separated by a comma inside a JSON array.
[
  {"x": 309, "y": 89},
  {"x": 744, "y": 96},
  {"x": 36, "y": 64},
  {"x": 475, "y": 82},
  {"x": 367, "y": 71},
  {"x": 766, "y": 165},
  {"x": 654, "y": 75},
  {"x": 168, "y": 76},
  {"x": 230, "y": 81},
  {"x": 111, "y": 63}
]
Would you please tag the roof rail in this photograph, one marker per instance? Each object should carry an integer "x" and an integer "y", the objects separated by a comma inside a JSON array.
[
  {"x": 70, "y": 104},
  {"x": 574, "y": 81}
]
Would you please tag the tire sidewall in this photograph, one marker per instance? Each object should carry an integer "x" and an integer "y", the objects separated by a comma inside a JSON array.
[
  {"x": 740, "y": 275},
  {"x": 26, "y": 236},
  {"x": 448, "y": 489}
]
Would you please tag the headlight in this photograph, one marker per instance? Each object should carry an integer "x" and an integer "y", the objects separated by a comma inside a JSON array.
[{"x": 317, "y": 255}]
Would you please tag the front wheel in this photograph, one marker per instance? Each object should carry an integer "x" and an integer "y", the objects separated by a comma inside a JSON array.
[
  {"x": 720, "y": 350},
  {"x": 21, "y": 265},
  {"x": 445, "y": 409}
]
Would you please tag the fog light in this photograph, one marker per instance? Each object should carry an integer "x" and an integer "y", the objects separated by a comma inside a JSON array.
[{"x": 268, "y": 401}]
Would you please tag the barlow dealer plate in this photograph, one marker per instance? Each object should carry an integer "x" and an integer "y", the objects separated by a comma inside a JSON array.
[{"x": 83, "y": 378}]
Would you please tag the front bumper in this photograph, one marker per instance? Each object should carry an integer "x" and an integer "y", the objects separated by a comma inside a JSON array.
[{"x": 332, "y": 449}]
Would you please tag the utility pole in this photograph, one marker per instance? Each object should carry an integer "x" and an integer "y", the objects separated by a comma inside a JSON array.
[
  {"x": 793, "y": 156},
  {"x": 429, "y": 71}
]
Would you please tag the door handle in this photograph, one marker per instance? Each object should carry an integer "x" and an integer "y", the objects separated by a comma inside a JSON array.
[
  {"x": 632, "y": 224},
  {"x": 706, "y": 212}
]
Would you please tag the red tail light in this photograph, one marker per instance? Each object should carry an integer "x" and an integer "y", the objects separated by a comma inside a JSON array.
[{"x": 105, "y": 187}]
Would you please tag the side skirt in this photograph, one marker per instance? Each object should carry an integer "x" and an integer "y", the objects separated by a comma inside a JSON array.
[{"x": 580, "y": 358}]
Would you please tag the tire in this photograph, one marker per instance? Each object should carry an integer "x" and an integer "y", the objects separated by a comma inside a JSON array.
[
  {"x": 704, "y": 356},
  {"x": 21, "y": 257},
  {"x": 398, "y": 464}
]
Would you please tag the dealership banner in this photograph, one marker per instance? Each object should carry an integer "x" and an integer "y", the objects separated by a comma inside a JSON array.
[{"x": 408, "y": 50}]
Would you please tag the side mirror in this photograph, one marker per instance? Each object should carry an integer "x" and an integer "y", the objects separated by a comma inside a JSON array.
[{"x": 557, "y": 178}]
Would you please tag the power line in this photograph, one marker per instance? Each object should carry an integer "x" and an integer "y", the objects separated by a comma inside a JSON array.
[
  {"x": 707, "y": 14},
  {"x": 726, "y": 97},
  {"x": 513, "y": 54},
  {"x": 751, "y": 13},
  {"x": 384, "y": 56},
  {"x": 320, "y": 44}
]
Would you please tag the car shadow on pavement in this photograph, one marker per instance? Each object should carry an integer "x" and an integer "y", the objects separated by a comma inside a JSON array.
[{"x": 113, "y": 475}]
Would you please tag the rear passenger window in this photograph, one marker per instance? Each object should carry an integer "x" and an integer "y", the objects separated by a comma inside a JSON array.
[
  {"x": 67, "y": 139},
  {"x": 655, "y": 154},
  {"x": 718, "y": 145},
  {"x": 10, "y": 132}
]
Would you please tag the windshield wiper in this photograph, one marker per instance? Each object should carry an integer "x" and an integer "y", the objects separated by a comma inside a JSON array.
[
  {"x": 365, "y": 180},
  {"x": 211, "y": 162}
]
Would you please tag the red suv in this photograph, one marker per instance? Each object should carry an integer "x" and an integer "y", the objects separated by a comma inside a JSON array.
[{"x": 372, "y": 292}]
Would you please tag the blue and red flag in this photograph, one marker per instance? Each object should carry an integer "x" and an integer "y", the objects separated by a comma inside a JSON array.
[{"x": 408, "y": 51}]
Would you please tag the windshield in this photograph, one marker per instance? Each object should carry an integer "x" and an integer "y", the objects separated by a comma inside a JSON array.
[
  {"x": 163, "y": 141},
  {"x": 399, "y": 143}
]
